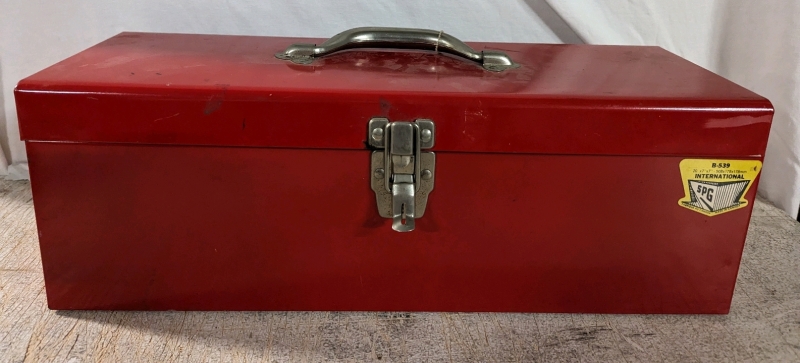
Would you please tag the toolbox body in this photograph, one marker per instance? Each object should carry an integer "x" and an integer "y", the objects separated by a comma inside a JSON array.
[{"x": 202, "y": 172}]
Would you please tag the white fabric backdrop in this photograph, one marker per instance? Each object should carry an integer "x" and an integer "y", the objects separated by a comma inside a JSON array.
[{"x": 755, "y": 44}]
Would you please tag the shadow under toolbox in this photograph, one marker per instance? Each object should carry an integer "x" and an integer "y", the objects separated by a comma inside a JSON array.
[{"x": 174, "y": 171}]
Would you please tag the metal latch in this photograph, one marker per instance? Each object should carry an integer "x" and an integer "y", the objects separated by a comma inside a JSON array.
[{"x": 402, "y": 175}]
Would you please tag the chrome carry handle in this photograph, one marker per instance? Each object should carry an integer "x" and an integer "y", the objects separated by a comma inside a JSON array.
[{"x": 397, "y": 38}]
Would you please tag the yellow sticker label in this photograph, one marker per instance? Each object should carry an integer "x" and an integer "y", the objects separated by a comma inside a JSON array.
[{"x": 714, "y": 187}]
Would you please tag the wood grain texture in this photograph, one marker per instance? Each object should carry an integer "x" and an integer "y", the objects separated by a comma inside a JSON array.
[{"x": 764, "y": 323}]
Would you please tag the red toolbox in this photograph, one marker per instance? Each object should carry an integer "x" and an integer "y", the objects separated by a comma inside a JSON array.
[{"x": 389, "y": 169}]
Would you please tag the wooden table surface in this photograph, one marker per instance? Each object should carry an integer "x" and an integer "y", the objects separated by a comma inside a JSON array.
[{"x": 764, "y": 323}]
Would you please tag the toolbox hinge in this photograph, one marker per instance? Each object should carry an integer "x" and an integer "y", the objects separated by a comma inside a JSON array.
[{"x": 402, "y": 175}]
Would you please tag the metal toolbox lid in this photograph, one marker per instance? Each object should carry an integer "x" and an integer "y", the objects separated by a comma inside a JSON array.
[{"x": 182, "y": 89}]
